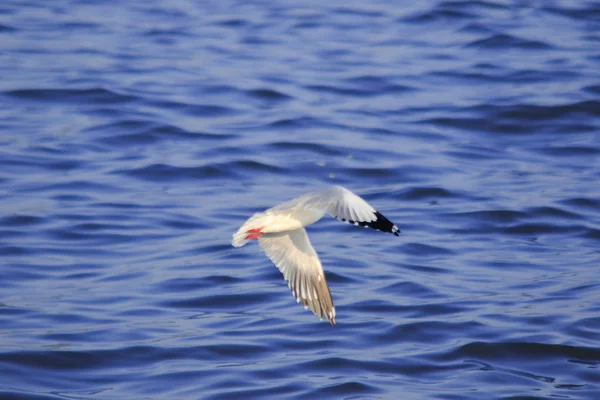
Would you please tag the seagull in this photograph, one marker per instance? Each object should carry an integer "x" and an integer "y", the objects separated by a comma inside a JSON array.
[{"x": 281, "y": 234}]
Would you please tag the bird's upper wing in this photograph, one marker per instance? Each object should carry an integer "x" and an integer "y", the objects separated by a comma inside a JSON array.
[
  {"x": 348, "y": 207},
  {"x": 293, "y": 254}
]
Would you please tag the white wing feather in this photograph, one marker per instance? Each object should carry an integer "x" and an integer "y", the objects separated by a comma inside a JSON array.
[{"x": 293, "y": 254}]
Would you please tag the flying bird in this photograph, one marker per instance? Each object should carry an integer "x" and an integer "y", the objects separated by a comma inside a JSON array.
[{"x": 281, "y": 234}]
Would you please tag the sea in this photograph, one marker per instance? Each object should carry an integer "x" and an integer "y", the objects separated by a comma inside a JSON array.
[{"x": 137, "y": 136}]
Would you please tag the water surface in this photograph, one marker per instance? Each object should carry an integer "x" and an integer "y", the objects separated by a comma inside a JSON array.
[{"x": 138, "y": 136}]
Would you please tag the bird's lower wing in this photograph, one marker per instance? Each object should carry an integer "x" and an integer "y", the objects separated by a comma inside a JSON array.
[{"x": 293, "y": 254}]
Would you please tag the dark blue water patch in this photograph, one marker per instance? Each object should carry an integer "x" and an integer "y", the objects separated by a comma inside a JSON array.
[
  {"x": 532, "y": 112},
  {"x": 21, "y": 220},
  {"x": 491, "y": 368},
  {"x": 592, "y": 234},
  {"x": 7, "y": 28},
  {"x": 231, "y": 390},
  {"x": 170, "y": 173},
  {"x": 522, "y": 76},
  {"x": 372, "y": 172},
  {"x": 376, "y": 83},
  {"x": 421, "y": 268},
  {"x": 553, "y": 212},
  {"x": 583, "y": 204},
  {"x": 158, "y": 33},
  {"x": 303, "y": 122},
  {"x": 569, "y": 151},
  {"x": 365, "y": 87},
  {"x": 585, "y": 328},
  {"x": 411, "y": 289},
  {"x": 70, "y": 186},
  {"x": 505, "y": 41},
  {"x": 77, "y": 96},
  {"x": 426, "y": 193},
  {"x": 85, "y": 360},
  {"x": 480, "y": 5},
  {"x": 347, "y": 390},
  {"x": 357, "y": 12},
  {"x": 378, "y": 307},
  {"x": 309, "y": 147},
  {"x": 14, "y": 234},
  {"x": 428, "y": 331},
  {"x": 196, "y": 110},
  {"x": 232, "y": 22},
  {"x": 475, "y": 28},
  {"x": 16, "y": 251},
  {"x": 578, "y": 291},
  {"x": 231, "y": 170},
  {"x": 594, "y": 89},
  {"x": 185, "y": 223},
  {"x": 586, "y": 11},
  {"x": 67, "y": 234},
  {"x": 80, "y": 276},
  {"x": 223, "y": 302},
  {"x": 439, "y": 14},
  {"x": 498, "y": 216},
  {"x": 28, "y": 162},
  {"x": 13, "y": 312},
  {"x": 480, "y": 125},
  {"x": 17, "y": 394},
  {"x": 268, "y": 94},
  {"x": 539, "y": 352},
  {"x": 539, "y": 229},
  {"x": 116, "y": 206},
  {"x": 183, "y": 285},
  {"x": 420, "y": 311},
  {"x": 423, "y": 250},
  {"x": 139, "y": 132}
]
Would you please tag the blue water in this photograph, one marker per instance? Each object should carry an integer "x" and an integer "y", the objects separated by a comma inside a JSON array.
[{"x": 137, "y": 136}]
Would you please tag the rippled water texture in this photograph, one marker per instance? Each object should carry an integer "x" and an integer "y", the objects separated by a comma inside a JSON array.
[{"x": 137, "y": 136}]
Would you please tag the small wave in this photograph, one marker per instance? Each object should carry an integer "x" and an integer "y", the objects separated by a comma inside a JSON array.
[
  {"x": 505, "y": 216},
  {"x": 268, "y": 94},
  {"x": 526, "y": 351},
  {"x": 411, "y": 289},
  {"x": 182, "y": 285},
  {"x": 93, "y": 95},
  {"x": 197, "y": 110},
  {"x": 352, "y": 389},
  {"x": 504, "y": 41},
  {"x": 569, "y": 151},
  {"x": 585, "y": 11},
  {"x": 314, "y": 148},
  {"x": 137, "y": 132},
  {"x": 360, "y": 89},
  {"x": 224, "y": 302},
  {"x": 438, "y": 15},
  {"x": 21, "y": 220},
  {"x": 170, "y": 173},
  {"x": 585, "y": 204},
  {"x": 74, "y": 186},
  {"x": 425, "y": 193},
  {"x": 541, "y": 229},
  {"x": 7, "y": 28},
  {"x": 31, "y": 162},
  {"x": 423, "y": 250}
]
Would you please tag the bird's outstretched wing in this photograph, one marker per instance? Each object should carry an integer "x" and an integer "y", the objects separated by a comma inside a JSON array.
[
  {"x": 348, "y": 207},
  {"x": 293, "y": 254}
]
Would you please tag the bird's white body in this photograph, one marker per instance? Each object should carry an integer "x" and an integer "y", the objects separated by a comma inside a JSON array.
[{"x": 280, "y": 233}]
